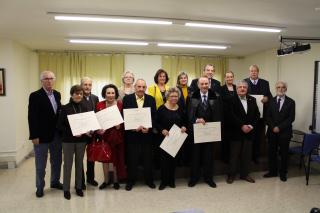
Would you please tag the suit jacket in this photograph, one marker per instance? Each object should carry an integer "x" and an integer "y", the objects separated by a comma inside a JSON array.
[
  {"x": 215, "y": 86},
  {"x": 91, "y": 103},
  {"x": 263, "y": 89},
  {"x": 129, "y": 102},
  {"x": 238, "y": 117},
  {"x": 213, "y": 101},
  {"x": 282, "y": 119},
  {"x": 41, "y": 117},
  {"x": 63, "y": 123}
]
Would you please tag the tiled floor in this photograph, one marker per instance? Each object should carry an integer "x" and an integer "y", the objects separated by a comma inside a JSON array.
[{"x": 17, "y": 194}]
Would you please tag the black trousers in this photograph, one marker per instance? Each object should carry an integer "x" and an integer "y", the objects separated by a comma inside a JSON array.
[
  {"x": 167, "y": 167},
  {"x": 278, "y": 143},
  {"x": 259, "y": 135},
  {"x": 90, "y": 172},
  {"x": 135, "y": 151},
  {"x": 202, "y": 155},
  {"x": 240, "y": 152}
]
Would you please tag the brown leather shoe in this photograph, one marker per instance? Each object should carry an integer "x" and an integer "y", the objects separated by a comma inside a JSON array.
[
  {"x": 230, "y": 179},
  {"x": 248, "y": 179}
]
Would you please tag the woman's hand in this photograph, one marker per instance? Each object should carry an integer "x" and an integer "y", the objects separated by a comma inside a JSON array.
[
  {"x": 165, "y": 132},
  {"x": 183, "y": 129}
]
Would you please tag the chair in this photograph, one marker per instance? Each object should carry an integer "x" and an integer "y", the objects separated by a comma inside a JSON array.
[
  {"x": 296, "y": 144},
  {"x": 311, "y": 144}
]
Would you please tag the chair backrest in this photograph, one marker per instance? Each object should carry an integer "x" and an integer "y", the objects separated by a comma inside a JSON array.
[{"x": 310, "y": 142}]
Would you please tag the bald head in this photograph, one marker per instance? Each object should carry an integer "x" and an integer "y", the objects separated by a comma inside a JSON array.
[{"x": 203, "y": 84}]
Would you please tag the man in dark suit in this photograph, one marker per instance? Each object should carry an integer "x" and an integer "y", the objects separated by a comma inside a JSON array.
[
  {"x": 90, "y": 101},
  {"x": 139, "y": 141},
  {"x": 203, "y": 107},
  {"x": 43, "y": 111},
  {"x": 279, "y": 117},
  {"x": 243, "y": 118},
  {"x": 214, "y": 85},
  {"x": 258, "y": 86}
]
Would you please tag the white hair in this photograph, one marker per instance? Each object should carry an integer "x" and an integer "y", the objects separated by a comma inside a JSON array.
[
  {"x": 46, "y": 72},
  {"x": 85, "y": 79}
]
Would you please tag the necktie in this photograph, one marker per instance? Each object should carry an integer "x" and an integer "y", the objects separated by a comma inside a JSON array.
[
  {"x": 204, "y": 102},
  {"x": 278, "y": 104}
]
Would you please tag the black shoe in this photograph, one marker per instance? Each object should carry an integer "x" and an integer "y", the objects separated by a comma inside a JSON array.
[
  {"x": 192, "y": 183},
  {"x": 39, "y": 193},
  {"x": 83, "y": 187},
  {"x": 103, "y": 185},
  {"x": 162, "y": 186},
  {"x": 129, "y": 186},
  {"x": 248, "y": 179},
  {"x": 92, "y": 182},
  {"x": 256, "y": 161},
  {"x": 172, "y": 185},
  {"x": 230, "y": 179},
  {"x": 116, "y": 186},
  {"x": 56, "y": 186},
  {"x": 283, "y": 178},
  {"x": 67, "y": 195},
  {"x": 79, "y": 192},
  {"x": 211, "y": 183},
  {"x": 151, "y": 185},
  {"x": 270, "y": 175}
]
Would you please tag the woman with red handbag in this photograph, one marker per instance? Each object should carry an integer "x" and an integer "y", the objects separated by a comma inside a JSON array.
[
  {"x": 72, "y": 145},
  {"x": 114, "y": 136}
]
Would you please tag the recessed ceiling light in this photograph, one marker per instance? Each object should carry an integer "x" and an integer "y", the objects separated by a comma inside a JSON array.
[
  {"x": 112, "y": 19},
  {"x": 184, "y": 45},
  {"x": 115, "y": 42},
  {"x": 233, "y": 27}
]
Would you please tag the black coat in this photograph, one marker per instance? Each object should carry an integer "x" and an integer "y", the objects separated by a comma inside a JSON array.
[
  {"x": 215, "y": 86},
  {"x": 63, "y": 123},
  {"x": 214, "y": 103},
  {"x": 129, "y": 102},
  {"x": 282, "y": 119},
  {"x": 263, "y": 88},
  {"x": 237, "y": 117},
  {"x": 41, "y": 117}
]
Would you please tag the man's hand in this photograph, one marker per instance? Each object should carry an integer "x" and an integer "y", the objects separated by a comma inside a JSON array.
[
  {"x": 246, "y": 128},
  {"x": 265, "y": 99},
  {"x": 183, "y": 129},
  {"x": 201, "y": 120},
  {"x": 276, "y": 129},
  {"x": 35, "y": 141},
  {"x": 145, "y": 130},
  {"x": 165, "y": 132}
]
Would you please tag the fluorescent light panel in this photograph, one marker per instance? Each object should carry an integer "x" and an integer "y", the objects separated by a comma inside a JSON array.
[
  {"x": 201, "y": 46},
  {"x": 112, "y": 19},
  {"x": 234, "y": 27},
  {"x": 115, "y": 42}
]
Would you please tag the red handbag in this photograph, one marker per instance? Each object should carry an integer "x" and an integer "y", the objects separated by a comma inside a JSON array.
[{"x": 98, "y": 150}]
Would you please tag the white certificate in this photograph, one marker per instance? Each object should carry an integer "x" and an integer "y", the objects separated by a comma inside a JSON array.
[
  {"x": 259, "y": 103},
  {"x": 210, "y": 132},
  {"x": 172, "y": 143},
  {"x": 135, "y": 117},
  {"x": 109, "y": 117},
  {"x": 81, "y": 123}
]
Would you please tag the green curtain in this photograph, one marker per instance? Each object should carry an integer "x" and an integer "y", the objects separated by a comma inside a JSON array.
[
  {"x": 70, "y": 67},
  {"x": 193, "y": 65}
]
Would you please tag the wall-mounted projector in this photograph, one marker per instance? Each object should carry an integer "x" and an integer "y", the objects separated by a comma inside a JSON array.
[{"x": 295, "y": 47}]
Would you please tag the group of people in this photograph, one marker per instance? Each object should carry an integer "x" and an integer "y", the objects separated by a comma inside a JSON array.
[{"x": 205, "y": 100}]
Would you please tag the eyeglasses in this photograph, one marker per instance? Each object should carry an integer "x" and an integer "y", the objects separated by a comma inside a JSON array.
[
  {"x": 48, "y": 79},
  {"x": 280, "y": 87}
]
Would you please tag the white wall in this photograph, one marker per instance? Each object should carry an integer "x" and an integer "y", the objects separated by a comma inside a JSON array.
[
  {"x": 143, "y": 66},
  {"x": 297, "y": 70},
  {"x": 21, "y": 66}
]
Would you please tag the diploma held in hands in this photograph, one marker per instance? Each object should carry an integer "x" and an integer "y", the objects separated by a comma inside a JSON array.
[
  {"x": 259, "y": 103},
  {"x": 210, "y": 132},
  {"x": 81, "y": 123},
  {"x": 135, "y": 117},
  {"x": 109, "y": 117},
  {"x": 172, "y": 143}
]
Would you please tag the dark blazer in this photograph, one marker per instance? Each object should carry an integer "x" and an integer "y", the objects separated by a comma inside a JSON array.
[
  {"x": 227, "y": 98},
  {"x": 215, "y": 86},
  {"x": 129, "y": 102},
  {"x": 182, "y": 102},
  {"x": 224, "y": 92},
  {"x": 282, "y": 119},
  {"x": 238, "y": 117},
  {"x": 213, "y": 101},
  {"x": 41, "y": 117},
  {"x": 63, "y": 123},
  {"x": 91, "y": 103},
  {"x": 263, "y": 88}
]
